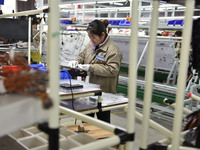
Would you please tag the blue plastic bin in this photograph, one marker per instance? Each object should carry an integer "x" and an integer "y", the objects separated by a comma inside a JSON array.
[
  {"x": 171, "y": 22},
  {"x": 122, "y": 22},
  {"x": 115, "y": 22},
  {"x": 36, "y": 66},
  {"x": 110, "y": 22},
  {"x": 179, "y": 22}
]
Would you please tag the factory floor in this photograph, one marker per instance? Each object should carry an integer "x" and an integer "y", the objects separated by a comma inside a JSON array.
[{"x": 118, "y": 118}]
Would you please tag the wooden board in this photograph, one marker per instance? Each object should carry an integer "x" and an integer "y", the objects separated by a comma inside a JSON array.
[{"x": 92, "y": 131}]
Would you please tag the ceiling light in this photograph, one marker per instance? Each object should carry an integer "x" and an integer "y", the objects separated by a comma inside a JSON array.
[
  {"x": 86, "y": 3},
  {"x": 115, "y": 3},
  {"x": 110, "y": 1}
]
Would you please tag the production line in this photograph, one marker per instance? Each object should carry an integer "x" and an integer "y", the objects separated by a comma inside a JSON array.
[{"x": 74, "y": 98}]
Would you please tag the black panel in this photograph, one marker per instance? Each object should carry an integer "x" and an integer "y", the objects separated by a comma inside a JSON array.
[
  {"x": 14, "y": 30},
  {"x": 25, "y": 5}
]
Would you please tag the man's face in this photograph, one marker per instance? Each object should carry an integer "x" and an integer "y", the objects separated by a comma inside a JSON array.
[{"x": 96, "y": 40}]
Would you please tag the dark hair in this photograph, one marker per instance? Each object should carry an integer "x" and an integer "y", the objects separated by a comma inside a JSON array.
[
  {"x": 178, "y": 33},
  {"x": 97, "y": 27},
  {"x": 35, "y": 20}
]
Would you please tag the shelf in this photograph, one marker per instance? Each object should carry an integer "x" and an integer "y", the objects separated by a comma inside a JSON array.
[
  {"x": 18, "y": 111},
  {"x": 128, "y": 27}
]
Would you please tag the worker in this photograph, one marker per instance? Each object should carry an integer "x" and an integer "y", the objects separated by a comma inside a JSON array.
[
  {"x": 178, "y": 44},
  {"x": 36, "y": 41},
  {"x": 35, "y": 33},
  {"x": 101, "y": 59}
]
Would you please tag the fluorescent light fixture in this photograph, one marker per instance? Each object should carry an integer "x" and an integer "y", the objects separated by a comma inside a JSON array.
[
  {"x": 115, "y": 3},
  {"x": 86, "y": 3},
  {"x": 110, "y": 1},
  {"x": 103, "y": 2},
  {"x": 182, "y": 7}
]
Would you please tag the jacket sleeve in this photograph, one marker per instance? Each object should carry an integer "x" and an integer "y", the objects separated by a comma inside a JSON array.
[
  {"x": 81, "y": 56},
  {"x": 110, "y": 68}
]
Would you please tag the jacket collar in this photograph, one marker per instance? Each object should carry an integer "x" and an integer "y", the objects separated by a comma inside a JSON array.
[{"x": 100, "y": 45}]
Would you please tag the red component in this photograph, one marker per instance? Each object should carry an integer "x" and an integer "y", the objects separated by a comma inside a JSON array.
[
  {"x": 12, "y": 68},
  {"x": 79, "y": 6},
  {"x": 165, "y": 33},
  {"x": 189, "y": 94}
]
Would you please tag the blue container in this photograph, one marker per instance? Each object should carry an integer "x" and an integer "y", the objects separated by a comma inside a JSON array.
[
  {"x": 64, "y": 74},
  {"x": 115, "y": 22},
  {"x": 43, "y": 69},
  {"x": 122, "y": 22},
  {"x": 127, "y": 23},
  {"x": 36, "y": 66},
  {"x": 171, "y": 22},
  {"x": 110, "y": 22},
  {"x": 179, "y": 22}
]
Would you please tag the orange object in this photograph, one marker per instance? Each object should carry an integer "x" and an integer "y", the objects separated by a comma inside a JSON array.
[
  {"x": 73, "y": 19},
  {"x": 12, "y": 68},
  {"x": 165, "y": 33},
  {"x": 128, "y": 19}
]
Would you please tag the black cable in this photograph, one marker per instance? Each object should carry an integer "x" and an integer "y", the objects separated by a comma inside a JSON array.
[
  {"x": 75, "y": 121},
  {"x": 72, "y": 98},
  {"x": 72, "y": 93}
]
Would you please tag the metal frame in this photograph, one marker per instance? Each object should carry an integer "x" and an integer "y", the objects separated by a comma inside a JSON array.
[{"x": 53, "y": 48}]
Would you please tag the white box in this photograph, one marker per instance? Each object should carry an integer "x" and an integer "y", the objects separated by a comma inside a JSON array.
[
  {"x": 33, "y": 130},
  {"x": 31, "y": 142},
  {"x": 44, "y": 137},
  {"x": 82, "y": 138},
  {"x": 68, "y": 144},
  {"x": 19, "y": 134}
]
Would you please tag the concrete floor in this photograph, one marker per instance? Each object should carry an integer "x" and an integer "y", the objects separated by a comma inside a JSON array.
[{"x": 118, "y": 118}]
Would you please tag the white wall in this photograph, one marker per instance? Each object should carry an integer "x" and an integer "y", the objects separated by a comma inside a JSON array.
[{"x": 8, "y": 6}]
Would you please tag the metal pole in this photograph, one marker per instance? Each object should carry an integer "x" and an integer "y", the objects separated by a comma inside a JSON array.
[
  {"x": 53, "y": 49},
  {"x": 88, "y": 119},
  {"x": 100, "y": 144},
  {"x": 41, "y": 29},
  {"x": 181, "y": 85},
  {"x": 193, "y": 96},
  {"x": 95, "y": 110},
  {"x": 133, "y": 56},
  {"x": 144, "y": 51},
  {"x": 149, "y": 75},
  {"x": 23, "y": 13},
  {"x": 155, "y": 126},
  {"x": 29, "y": 40}
]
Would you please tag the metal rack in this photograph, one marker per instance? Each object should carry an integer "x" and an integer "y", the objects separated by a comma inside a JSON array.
[
  {"x": 53, "y": 48},
  {"x": 90, "y": 10}
]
